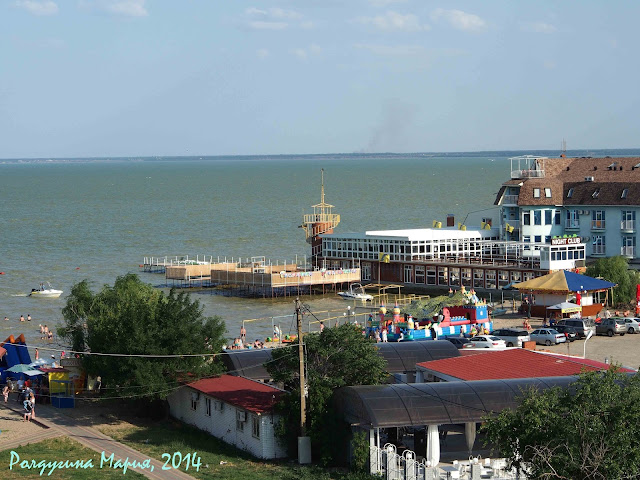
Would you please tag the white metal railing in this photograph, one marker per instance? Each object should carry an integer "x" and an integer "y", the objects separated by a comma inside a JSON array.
[
  {"x": 510, "y": 200},
  {"x": 628, "y": 251},
  {"x": 571, "y": 223},
  {"x": 527, "y": 174},
  {"x": 628, "y": 225}
]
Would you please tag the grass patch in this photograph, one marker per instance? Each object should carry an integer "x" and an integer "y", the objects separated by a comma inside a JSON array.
[
  {"x": 56, "y": 450},
  {"x": 172, "y": 436}
]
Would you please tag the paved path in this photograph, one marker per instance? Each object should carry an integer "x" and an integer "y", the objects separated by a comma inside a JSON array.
[{"x": 53, "y": 422}]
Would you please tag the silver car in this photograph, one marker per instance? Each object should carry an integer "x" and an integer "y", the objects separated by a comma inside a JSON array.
[
  {"x": 547, "y": 336},
  {"x": 632, "y": 325}
]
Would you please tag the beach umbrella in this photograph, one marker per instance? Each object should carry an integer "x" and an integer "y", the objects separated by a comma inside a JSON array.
[{"x": 20, "y": 368}]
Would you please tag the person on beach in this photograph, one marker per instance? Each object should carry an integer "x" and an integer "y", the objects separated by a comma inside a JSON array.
[
  {"x": 28, "y": 408},
  {"x": 384, "y": 335},
  {"x": 6, "y": 319},
  {"x": 22, "y": 318},
  {"x": 37, "y": 354},
  {"x": 32, "y": 399},
  {"x": 243, "y": 334},
  {"x": 5, "y": 393},
  {"x": 321, "y": 327}
]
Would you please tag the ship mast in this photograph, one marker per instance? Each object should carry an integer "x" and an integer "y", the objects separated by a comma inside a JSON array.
[{"x": 321, "y": 221}]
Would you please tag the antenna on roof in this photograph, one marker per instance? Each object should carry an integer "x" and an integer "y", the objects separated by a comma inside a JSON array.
[{"x": 563, "y": 148}]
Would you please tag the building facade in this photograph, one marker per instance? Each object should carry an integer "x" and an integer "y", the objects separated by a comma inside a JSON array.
[
  {"x": 236, "y": 410},
  {"x": 596, "y": 199}
]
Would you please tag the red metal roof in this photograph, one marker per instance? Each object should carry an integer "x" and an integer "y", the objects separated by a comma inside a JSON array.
[
  {"x": 241, "y": 392},
  {"x": 512, "y": 363}
]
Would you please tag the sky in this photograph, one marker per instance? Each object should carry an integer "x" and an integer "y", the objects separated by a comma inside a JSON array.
[{"x": 126, "y": 78}]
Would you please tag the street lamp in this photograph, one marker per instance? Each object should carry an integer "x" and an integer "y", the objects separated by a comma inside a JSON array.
[{"x": 349, "y": 313}]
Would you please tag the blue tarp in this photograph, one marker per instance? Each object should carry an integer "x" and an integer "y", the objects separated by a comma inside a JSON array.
[{"x": 577, "y": 282}]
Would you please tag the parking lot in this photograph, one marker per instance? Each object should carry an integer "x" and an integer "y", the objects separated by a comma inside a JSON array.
[{"x": 624, "y": 350}]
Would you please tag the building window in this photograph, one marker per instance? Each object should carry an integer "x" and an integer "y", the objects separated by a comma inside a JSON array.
[
  {"x": 366, "y": 272},
  {"x": 536, "y": 193},
  {"x": 490, "y": 279},
  {"x": 431, "y": 275},
  {"x": 408, "y": 274},
  {"x": 625, "y": 192},
  {"x": 241, "y": 418},
  {"x": 255, "y": 426},
  {"x": 443, "y": 276},
  {"x": 573, "y": 220},
  {"x": 487, "y": 221},
  {"x": 597, "y": 219},
  {"x": 207, "y": 404},
  {"x": 537, "y": 217},
  {"x": 547, "y": 217},
  {"x": 547, "y": 192},
  {"x": 557, "y": 218},
  {"x": 526, "y": 217},
  {"x": 628, "y": 220},
  {"x": 537, "y": 239},
  {"x": 454, "y": 276},
  {"x": 547, "y": 239},
  {"x": 595, "y": 193},
  {"x": 628, "y": 246},
  {"x": 419, "y": 274},
  {"x": 194, "y": 402},
  {"x": 570, "y": 193},
  {"x": 478, "y": 278}
]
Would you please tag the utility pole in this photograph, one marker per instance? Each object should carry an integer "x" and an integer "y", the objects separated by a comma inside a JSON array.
[{"x": 304, "y": 442}]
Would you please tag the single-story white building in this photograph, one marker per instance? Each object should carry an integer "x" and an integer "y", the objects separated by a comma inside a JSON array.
[{"x": 234, "y": 409}]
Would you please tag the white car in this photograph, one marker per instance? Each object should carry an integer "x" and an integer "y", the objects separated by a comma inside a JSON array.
[
  {"x": 485, "y": 341},
  {"x": 547, "y": 336},
  {"x": 632, "y": 325}
]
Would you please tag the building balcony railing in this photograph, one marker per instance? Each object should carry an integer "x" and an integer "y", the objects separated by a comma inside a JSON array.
[
  {"x": 527, "y": 174},
  {"x": 572, "y": 224},
  {"x": 628, "y": 226},
  {"x": 629, "y": 252},
  {"x": 510, "y": 200},
  {"x": 599, "y": 250},
  {"x": 597, "y": 225}
]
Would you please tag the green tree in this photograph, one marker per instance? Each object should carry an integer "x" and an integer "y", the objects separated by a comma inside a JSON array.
[
  {"x": 335, "y": 358},
  {"x": 132, "y": 317},
  {"x": 587, "y": 431},
  {"x": 616, "y": 270}
]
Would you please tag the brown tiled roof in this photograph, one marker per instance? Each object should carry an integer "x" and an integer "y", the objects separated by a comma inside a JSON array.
[{"x": 610, "y": 175}]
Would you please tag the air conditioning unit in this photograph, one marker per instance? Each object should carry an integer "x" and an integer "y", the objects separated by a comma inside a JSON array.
[
  {"x": 589, "y": 179},
  {"x": 241, "y": 415},
  {"x": 586, "y": 239},
  {"x": 586, "y": 212}
]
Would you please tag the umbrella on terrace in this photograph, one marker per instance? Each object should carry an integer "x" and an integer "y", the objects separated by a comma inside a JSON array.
[{"x": 20, "y": 368}]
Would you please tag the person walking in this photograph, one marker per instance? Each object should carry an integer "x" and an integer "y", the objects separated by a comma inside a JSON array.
[{"x": 5, "y": 393}]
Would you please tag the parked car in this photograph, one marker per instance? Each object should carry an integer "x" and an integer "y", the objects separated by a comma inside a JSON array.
[
  {"x": 459, "y": 342},
  {"x": 582, "y": 325},
  {"x": 547, "y": 336},
  {"x": 570, "y": 332},
  {"x": 486, "y": 341},
  {"x": 513, "y": 337},
  {"x": 611, "y": 326},
  {"x": 632, "y": 325}
]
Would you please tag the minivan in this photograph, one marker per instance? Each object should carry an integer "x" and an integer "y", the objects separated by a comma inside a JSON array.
[{"x": 582, "y": 325}]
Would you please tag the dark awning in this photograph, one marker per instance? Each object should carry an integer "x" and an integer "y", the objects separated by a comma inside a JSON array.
[
  {"x": 402, "y": 357},
  {"x": 420, "y": 404}
]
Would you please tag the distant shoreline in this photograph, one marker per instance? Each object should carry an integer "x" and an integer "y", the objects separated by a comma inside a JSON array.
[{"x": 619, "y": 152}]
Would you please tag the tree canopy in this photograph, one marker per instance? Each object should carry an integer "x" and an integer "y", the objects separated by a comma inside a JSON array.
[
  {"x": 588, "y": 431},
  {"x": 132, "y": 317},
  {"x": 616, "y": 270},
  {"x": 337, "y": 357}
]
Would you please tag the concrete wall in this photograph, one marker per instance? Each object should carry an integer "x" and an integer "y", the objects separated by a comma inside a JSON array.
[{"x": 222, "y": 423}]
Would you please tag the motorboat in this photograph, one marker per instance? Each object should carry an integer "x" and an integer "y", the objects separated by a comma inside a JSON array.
[
  {"x": 356, "y": 292},
  {"x": 45, "y": 292}
]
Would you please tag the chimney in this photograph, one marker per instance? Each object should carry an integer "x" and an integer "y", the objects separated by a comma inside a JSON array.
[{"x": 451, "y": 221}]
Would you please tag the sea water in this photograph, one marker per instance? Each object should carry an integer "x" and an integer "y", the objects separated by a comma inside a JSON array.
[{"x": 65, "y": 221}]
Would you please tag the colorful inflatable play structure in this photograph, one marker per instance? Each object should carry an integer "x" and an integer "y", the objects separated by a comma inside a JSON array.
[{"x": 451, "y": 321}]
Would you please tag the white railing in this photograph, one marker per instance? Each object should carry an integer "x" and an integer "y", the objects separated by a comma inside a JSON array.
[
  {"x": 386, "y": 463},
  {"x": 527, "y": 174},
  {"x": 628, "y": 251},
  {"x": 571, "y": 224},
  {"x": 599, "y": 249},
  {"x": 510, "y": 200},
  {"x": 628, "y": 225}
]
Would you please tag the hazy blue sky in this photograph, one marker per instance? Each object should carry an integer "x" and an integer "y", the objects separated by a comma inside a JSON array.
[{"x": 209, "y": 77}]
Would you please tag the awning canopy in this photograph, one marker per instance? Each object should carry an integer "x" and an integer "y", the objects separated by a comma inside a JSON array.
[
  {"x": 566, "y": 307},
  {"x": 564, "y": 281},
  {"x": 421, "y": 404}
]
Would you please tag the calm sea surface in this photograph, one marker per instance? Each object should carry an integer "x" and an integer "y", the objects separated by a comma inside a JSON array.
[{"x": 62, "y": 222}]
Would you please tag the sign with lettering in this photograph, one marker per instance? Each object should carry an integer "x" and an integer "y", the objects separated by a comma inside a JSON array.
[{"x": 566, "y": 241}]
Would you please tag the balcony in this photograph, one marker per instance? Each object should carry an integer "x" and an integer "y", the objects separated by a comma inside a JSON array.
[
  {"x": 629, "y": 252},
  {"x": 597, "y": 225},
  {"x": 515, "y": 174},
  {"x": 628, "y": 226},
  {"x": 599, "y": 250},
  {"x": 510, "y": 200},
  {"x": 572, "y": 225}
]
